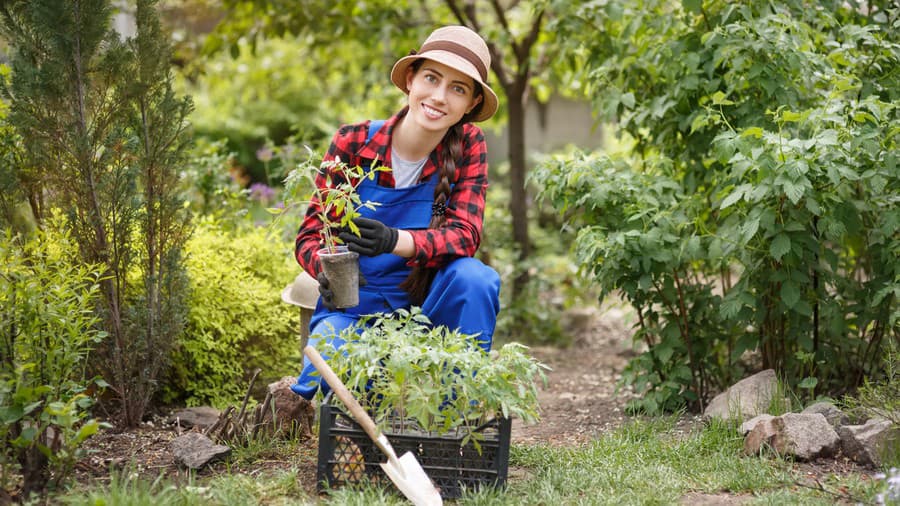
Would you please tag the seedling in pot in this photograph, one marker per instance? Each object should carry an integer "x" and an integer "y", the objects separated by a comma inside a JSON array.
[{"x": 338, "y": 202}]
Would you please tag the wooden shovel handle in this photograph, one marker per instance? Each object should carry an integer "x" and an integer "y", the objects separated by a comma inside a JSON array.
[{"x": 359, "y": 414}]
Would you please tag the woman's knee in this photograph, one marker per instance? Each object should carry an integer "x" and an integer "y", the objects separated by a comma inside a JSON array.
[
  {"x": 331, "y": 325},
  {"x": 470, "y": 273}
]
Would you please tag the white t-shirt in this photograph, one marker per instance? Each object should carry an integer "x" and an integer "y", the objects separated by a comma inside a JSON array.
[{"x": 406, "y": 173}]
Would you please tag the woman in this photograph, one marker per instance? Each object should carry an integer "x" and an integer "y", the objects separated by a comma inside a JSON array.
[{"x": 416, "y": 247}]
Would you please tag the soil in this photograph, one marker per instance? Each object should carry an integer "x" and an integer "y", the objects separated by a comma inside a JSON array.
[{"x": 579, "y": 402}]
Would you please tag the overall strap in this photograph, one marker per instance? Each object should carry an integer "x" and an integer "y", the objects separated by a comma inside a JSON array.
[{"x": 374, "y": 126}]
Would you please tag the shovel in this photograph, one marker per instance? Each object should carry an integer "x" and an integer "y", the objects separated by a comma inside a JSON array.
[{"x": 406, "y": 472}]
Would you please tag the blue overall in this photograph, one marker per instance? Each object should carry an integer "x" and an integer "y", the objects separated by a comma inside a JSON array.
[{"x": 464, "y": 295}]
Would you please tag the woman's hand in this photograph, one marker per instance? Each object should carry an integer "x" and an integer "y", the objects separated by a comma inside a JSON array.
[
  {"x": 374, "y": 237},
  {"x": 327, "y": 293}
]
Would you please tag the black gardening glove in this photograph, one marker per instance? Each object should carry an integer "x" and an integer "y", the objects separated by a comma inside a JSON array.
[
  {"x": 374, "y": 237},
  {"x": 326, "y": 292}
]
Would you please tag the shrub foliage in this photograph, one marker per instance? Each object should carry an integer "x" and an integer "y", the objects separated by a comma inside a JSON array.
[
  {"x": 99, "y": 133},
  {"x": 237, "y": 322},
  {"x": 47, "y": 329},
  {"x": 757, "y": 210}
]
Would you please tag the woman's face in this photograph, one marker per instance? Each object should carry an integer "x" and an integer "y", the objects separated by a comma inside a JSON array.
[{"x": 439, "y": 95}]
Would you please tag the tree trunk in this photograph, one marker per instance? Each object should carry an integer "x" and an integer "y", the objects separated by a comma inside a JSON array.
[{"x": 518, "y": 205}]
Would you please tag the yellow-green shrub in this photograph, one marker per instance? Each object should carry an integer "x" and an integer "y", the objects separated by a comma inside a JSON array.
[{"x": 237, "y": 321}]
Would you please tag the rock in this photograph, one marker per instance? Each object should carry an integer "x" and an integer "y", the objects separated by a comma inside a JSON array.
[
  {"x": 866, "y": 443},
  {"x": 804, "y": 436},
  {"x": 760, "y": 436},
  {"x": 292, "y": 414},
  {"x": 745, "y": 399},
  {"x": 835, "y": 416},
  {"x": 577, "y": 321},
  {"x": 748, "y": 426},
  {"x": 194, "y": 450},
  {"x": 200, "y": 417}
]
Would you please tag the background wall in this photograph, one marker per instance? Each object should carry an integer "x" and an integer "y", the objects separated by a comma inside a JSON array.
[{"x": 558, "y": 123}]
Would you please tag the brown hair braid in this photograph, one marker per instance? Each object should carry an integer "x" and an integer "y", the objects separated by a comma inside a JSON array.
[{"x": 419, "y": 280}]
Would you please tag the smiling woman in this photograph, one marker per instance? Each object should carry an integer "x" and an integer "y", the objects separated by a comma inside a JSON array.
[{"x": 416, "y": 248}]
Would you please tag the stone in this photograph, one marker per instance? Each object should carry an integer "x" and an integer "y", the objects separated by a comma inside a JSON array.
[
  {"x": 748, "y": 426},
  {"x": 760, "y": 436},
  {"x": 194, "y": 450},
  {"x": 745, "y": 399},
  {"x": 200, "y": 417},
  {"x": 835, "y": 416},
  {"x": 803, "y": 436},
  {"x": 866, "y": 443},
  {"x": 290, "y": 414}
]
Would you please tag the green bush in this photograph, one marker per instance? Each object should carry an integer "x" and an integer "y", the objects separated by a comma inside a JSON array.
[
  {"x": 47, "y": 329},
  {"x": 237, "y": 321},
  {"x": 101, "y": 136},
  {"x": 757, "y": 211}
]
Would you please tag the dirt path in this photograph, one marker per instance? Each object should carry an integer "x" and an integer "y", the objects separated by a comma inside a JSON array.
[{"x": 579, "y": 401}]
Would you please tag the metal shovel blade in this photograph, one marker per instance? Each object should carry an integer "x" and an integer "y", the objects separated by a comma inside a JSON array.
[{"x": 409, "y": 477}]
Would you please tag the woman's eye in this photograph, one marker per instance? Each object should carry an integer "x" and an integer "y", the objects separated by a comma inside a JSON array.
[
  {"x": 430, "y": 78},
  {"x": 459, "y": 89}
]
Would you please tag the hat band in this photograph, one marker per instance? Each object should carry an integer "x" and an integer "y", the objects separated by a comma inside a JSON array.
[{"x": 459, "y": 50}]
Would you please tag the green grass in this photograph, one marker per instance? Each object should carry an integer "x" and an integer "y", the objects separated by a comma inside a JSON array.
[{"x": 641, "y": 463}]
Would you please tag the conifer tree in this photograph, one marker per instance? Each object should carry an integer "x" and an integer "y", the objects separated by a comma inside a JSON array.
[{"x": 103, "y": 134}]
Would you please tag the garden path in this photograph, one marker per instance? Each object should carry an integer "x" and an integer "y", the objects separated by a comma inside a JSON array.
[{"x": 580, "y": 400}]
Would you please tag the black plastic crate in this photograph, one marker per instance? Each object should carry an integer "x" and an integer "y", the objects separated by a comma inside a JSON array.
[{"x": 348, "y": 456}]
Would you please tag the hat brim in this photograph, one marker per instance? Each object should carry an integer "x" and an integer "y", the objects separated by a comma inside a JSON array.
[
  {"x": 303, "y": 291},
  {"x": 398, "y": 77},
  {"x": 286, "y": 296}
]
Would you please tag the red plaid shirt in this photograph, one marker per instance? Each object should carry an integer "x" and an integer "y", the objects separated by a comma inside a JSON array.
[{"x": 461, "y": 233}]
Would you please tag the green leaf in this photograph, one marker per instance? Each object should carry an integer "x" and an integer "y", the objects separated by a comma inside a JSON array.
[
  {"x": 791, "y": 116},
  {"x": 627, "y": 100},
  {"x": 735, "y": 196},
  {"x": 700, "y": 121},
  {"x": 719, "y": 98},
  {"x": 664, "y": 351},
  {"x": 793, "y": 191},
  {"x": 695, "y": 6},
  {"x": 780, "y": 246},
  {"x": 87, "y": 430},
  {"x": 808, "y": 383},
  {"x": 756, "y": 132},
  {"x": 744, "y": 343},
  {"x": 790, "y": 294},
  {"x": 749, "y": 229},
  {"x": 10, "y": 414}
]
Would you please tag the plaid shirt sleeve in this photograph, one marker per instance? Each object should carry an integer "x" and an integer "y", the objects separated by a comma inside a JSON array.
[
  {"x": 307, "y": 244},
  {"x": 460, "y": 235}
]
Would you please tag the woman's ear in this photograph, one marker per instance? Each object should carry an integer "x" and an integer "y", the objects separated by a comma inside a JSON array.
[
  {"x": 475, "y": 101},
  {"x": 410, "y": 74}
]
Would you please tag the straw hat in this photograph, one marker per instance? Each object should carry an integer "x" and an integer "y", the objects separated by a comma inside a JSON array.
[
  {"x": 459, "y": 48},
  {"x": 303, "y": 292}
]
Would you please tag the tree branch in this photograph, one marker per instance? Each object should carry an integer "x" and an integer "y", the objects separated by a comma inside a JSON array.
[
  {"x": 473, "y": 16},
  {"x": 501, "y": 15},
  {"x": 454, "y": 8},
  {"x": 523, "y": 49}
]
